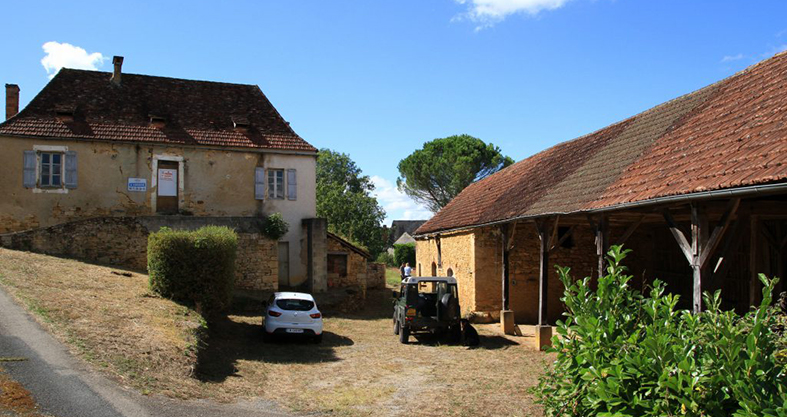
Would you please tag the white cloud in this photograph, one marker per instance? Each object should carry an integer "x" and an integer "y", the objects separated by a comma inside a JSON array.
[
  {"x": 65, "y": 55},
  {"x": 489, "y": 12},
  {"x": 397, "y": 205},
  {"x": 730, "y": 58}
]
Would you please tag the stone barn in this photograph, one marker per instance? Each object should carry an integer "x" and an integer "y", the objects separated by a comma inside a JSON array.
[{"x": 697, "y": 187}]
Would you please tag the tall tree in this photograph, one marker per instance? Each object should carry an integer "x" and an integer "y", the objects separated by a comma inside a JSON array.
[
  {"x": 344, "y": 198},
  {"x": 444, "y": 167}
]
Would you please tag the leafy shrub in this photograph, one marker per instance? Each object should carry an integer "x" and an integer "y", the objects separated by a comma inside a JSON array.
[
  {"x": 387, "y": 259},
  {"x": 195, "y": 267},
  {"x": 404, "y": 253},
  {"x": 274, "y": 226},
  {"x": 623, "y": 354}
]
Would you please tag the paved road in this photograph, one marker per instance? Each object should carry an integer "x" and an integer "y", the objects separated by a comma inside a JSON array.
[{"x": 65, "y": 386}]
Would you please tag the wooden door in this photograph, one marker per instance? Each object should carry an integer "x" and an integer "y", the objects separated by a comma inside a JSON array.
[
  {"x": 167, "y": 187},
  {"x": 284, "y": 264}
]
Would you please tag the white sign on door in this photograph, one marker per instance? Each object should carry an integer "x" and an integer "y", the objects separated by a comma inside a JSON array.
[{"x": 168, "y": 182}]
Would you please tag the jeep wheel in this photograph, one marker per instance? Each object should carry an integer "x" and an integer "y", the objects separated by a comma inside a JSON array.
[{"x": 404, "y": 334}]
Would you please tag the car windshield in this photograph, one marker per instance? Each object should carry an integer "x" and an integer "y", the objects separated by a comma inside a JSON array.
[{"x": 294, "y": 304}]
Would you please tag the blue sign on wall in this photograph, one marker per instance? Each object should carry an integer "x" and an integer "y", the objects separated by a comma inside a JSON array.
[{"x": 137, "y": 184}]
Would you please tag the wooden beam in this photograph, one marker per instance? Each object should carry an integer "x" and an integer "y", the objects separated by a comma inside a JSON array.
[
  {"x": 505, "y": 267},
  {"x": 563, "y": 238},
  {"x": 731, "y": 244},
  {"x": 683, "y": 243},
  {"x": 718, "y": 231},
  {"x": 698, "y": 223},
  {"x": 512, "y": 229},
  {"x": 631, "y": 229},
  {"x": 601, "y": 242},
  {"x": 553, "y": 235},
  {"x": 543, "y": 276}
]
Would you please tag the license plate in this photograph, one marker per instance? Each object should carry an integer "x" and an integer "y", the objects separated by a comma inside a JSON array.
[{"x": 294, "y": 330}]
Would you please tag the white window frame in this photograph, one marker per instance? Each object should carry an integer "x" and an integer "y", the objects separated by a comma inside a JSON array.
[
  {"x": 277, "y": 188},
  {"x": 50, "y": 149}
]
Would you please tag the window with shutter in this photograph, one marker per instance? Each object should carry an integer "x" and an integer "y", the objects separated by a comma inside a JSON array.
[
  {"x": 276, "y": 183},
  {"x": 259, "y": 183},
  {"x": 29, "y": 169},
  {"x": 70, "y": 178},
  {"x": 292, "y": 185}
]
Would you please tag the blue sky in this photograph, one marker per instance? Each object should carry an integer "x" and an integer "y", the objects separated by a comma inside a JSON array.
[{"x": 376, "y": 79}]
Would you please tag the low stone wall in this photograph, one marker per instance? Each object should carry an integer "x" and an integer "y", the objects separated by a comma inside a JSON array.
[
  {"x": 375, "y": 275},
  {"x": 122, "y": 242}
]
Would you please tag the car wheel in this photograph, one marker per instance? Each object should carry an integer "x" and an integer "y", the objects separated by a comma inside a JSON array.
[
  {"x": 404, "y": 334},
  {"x": 396, "y": 326}
]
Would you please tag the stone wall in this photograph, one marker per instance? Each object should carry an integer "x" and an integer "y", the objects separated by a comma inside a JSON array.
[
  {"x": 457, "y": 254},
  {"x": 356, "y": 267},
  {"x": 476, "y": 261},
  {"x": 122, "y": 242},
  {"x": 375, "y": 275}
]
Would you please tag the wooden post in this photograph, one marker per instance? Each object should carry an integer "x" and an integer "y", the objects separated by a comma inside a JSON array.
[
  {"x": 698, "y": 226},
  {"x": 601, "y": 243},
  {"x": 754, "y": 281},
  {"x": 543, "y": 275},
  {"x": 701, "y": 248},
  {"x": 504, "y": 277},
  {"x": 543, "y": 330}
]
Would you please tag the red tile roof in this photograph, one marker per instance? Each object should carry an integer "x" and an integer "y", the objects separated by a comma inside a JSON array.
[
  {"x": 730, "y": 134},
  {"x": 194, "y": 112}
]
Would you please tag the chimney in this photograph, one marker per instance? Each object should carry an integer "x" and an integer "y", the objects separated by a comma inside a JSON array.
[
  {"x": 117, "y": 61},
  {"x": 11, "y": 100}
]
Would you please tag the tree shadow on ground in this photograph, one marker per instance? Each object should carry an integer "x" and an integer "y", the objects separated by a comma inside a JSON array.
[{"x": 229, "y": 341}]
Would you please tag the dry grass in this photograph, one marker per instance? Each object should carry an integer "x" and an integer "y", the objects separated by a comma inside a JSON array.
[
  {"x": 360, "y": 369},
  {"x": 110, "y": 320}
]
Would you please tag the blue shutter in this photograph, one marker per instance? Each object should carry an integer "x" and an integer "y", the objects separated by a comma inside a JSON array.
[
  {"x": 292, "y": 185},
  {"x": 71, "y": 170},
  {"x": 259, "y": 183},
  {"x": 29, "y": 169}
]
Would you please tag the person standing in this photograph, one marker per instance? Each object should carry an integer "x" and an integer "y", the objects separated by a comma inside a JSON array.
[
  {"x": 407, "y": 270},
  {"x": 401, "y": 271}
]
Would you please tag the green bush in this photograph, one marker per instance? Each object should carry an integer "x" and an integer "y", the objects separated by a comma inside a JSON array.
[
  {"x": 404, "y": 253},
  {"x": 623, "y": 354},
  {"x": 274, "y": 226},
  {"x": 196, "y": 267},
  {"x": 387, "y": 259}
]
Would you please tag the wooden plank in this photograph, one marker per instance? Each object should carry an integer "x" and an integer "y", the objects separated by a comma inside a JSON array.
[
  {"x": 683, "y": 243},
  {"x": 718, "y": 231},
  {"x": 553, "y": 235}
]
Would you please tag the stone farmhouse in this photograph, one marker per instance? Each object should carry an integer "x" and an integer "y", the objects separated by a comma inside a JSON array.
[
  {"x": 98, "y": 160},
  {"x": 697, "y": 187}
]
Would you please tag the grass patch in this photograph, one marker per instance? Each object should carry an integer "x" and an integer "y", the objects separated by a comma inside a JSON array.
[{"x": 393, "y": 277}]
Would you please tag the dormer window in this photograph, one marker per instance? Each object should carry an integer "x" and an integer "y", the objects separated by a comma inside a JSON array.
[
  {"x": 157, "y": 121},
  {"x": 240, "y": 123},
  {"x": 65, "y": 113}
]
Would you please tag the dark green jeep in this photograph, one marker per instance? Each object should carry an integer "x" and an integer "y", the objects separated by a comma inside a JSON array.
[{"x": 427, "y": 305}]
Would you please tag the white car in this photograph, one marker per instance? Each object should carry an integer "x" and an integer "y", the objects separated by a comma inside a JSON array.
[{"x": 292, "y": 313}]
